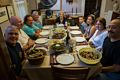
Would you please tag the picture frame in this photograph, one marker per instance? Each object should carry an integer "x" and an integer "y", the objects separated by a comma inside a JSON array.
[
  {"x": 10, "y": 11},
  {"x": 3, "y": 14}
]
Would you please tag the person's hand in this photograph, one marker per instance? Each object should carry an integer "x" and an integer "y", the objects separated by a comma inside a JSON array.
[
  {"x": 30, "y": 42},
  {"x": 91, "y": 44}
]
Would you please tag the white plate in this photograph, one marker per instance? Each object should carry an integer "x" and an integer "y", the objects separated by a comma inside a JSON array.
[
  {"x": 41, "y": 40},
  {"x": 65, "y": 59},
  {"x": 75, "y": 32},
  {"x": 74, "y": 27},
  {"x": 44, "y": 33},
  {"x": 46, "y": 27},
  {"x": 80, "y": 39}
]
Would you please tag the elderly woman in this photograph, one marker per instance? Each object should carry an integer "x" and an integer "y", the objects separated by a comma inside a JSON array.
[
  {"x": 61, "y": 19},
  {"x": 100, "y": 34}
]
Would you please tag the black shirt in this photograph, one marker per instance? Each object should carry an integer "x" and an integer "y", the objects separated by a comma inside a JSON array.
[
  {"x": 17, "y": 56},
  {"x": 111, "y": 52}
]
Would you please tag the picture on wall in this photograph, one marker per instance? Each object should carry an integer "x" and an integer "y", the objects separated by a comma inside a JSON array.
[
  {"x": 3, "y": 14},
  {"x": 10, "y": 11}
]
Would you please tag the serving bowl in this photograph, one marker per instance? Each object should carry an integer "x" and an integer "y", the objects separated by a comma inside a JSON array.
[
  {"x": 36, "y": 56},
  {"x": 90, "y": 55}
]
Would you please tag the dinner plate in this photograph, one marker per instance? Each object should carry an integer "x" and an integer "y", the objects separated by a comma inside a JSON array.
[
  {"x": 80, "y": 39},
  {"x": 41, "y": 41},
  {"x": 65, "y": 59},
  {"x": 75, "y": 32},
  {"x": 46, "y": 27},
  {"x": 44, "y": 33},
  {"x": 74, "y": 27}
]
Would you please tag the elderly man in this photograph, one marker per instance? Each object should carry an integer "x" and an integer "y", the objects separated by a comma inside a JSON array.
[
  {"x": 17, "y": 56},
  {"x": 24, "y": 39},
  {"x": 36, "y": 21}
]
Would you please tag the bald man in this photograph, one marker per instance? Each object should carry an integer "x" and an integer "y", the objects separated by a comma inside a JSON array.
[
  {"x": 23, "y": 39},
  {"x": 17, "y": 56}
]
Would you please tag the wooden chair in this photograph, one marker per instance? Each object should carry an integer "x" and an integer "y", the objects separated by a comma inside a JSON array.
[{"x": 60, "y": 73}]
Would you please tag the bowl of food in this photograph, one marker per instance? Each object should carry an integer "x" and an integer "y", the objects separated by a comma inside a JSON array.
[
  {"x": 58, "y": 47},
  {"x": 90, "y": 55},
  {"x": 36, "y": 56}
]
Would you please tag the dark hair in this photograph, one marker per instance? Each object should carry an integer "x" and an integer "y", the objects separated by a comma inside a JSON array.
[
  {"x": 93, "y": 18},
  {"x": 82, "y": 17},
  {"x": 26, "y": 18},
  {"x": 102, "y": 20}
]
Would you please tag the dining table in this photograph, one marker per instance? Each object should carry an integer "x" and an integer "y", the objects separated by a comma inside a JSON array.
[{"x": 43, "y": 70}]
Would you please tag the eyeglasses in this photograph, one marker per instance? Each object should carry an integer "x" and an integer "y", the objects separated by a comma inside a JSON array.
[
  {"x": 13, "y": 33},
  {"x": 113, "y": 27}
]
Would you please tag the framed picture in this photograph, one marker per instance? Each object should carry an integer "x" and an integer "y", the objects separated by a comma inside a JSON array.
[
  {"x": 10, "y": 11},
  {"x": 3, "y": 14}
]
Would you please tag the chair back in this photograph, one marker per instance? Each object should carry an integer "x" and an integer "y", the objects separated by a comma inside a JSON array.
[{"x": 61, "y": 73}]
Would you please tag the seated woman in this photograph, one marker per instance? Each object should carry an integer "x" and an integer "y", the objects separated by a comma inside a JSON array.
[
  {"x": 90, "y": 30},
  {"x": 100, "y": 34},
  {"x": 61, "y": 19},
  {"x": 30, "y": 29}
]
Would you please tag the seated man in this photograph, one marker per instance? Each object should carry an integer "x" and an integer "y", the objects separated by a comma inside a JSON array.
[
  {"x": 17, "y": 56},
  {"x": 36, "y": 21},
  {"x": 24, "y": 39},
  {"x": 82, "y": 24},
  {"x": 30, "y": 29}
]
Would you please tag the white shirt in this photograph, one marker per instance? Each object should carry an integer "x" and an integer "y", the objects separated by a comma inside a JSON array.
[
  {"x": 23, "y": 38},
  {"x": 99, "y": 39}
]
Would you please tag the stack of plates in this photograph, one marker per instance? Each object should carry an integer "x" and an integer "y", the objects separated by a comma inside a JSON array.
[
  {"x": 75, "y": 32},
  {"x": 80, "y": 39},
  {"x": 75, "y": 27},
  {"x": 44, "y": 33}
]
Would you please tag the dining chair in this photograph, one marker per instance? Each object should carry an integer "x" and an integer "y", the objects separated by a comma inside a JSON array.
[{"x": 62, "y": 73}]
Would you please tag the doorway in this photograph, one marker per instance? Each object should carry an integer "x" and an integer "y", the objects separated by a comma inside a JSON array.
[{"x": 92, "y": 7}]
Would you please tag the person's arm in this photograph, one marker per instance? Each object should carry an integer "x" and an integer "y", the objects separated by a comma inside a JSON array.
[{"x": 92, "y": 31}]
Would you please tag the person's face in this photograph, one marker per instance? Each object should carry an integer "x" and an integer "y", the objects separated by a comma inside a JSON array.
[
  {"x": 99, "y": 26},
  {"x": 36, "y": 17},
  {"x": 19, "y": 23},
  {"x": 89, "y": 20},
  {"x": 113, "y": 29},
  {"x": 12, "y": 36},
  {"x": 30, "y": 21},
  {"x": 81, "y": 20}
]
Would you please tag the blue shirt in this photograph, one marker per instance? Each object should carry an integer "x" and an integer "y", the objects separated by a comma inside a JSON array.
[
  {"x": 83, "y": 26},
  {"x": 30, "y": 30},
  {"x": 37, "y": 24}
]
